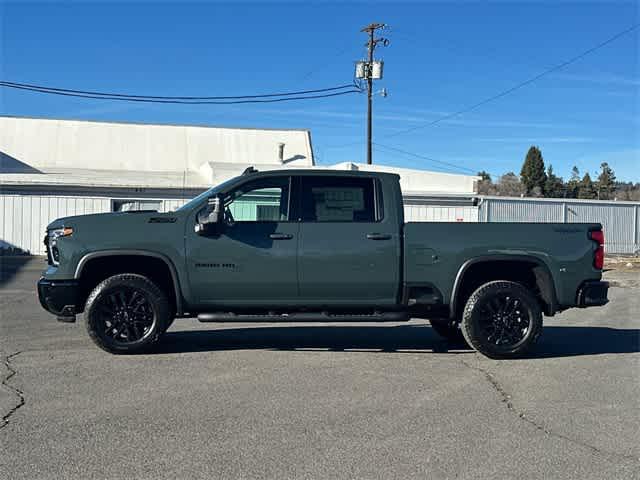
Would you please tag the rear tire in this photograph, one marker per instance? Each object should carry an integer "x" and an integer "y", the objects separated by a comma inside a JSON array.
[
  {"x": 126, "y": 313},
  {"x": 502, "y": 319},
  {"x": 448, "y": 329}
]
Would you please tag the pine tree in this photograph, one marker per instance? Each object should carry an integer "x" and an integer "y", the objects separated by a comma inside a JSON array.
[
  {"x": 606, "y": 182},
  {"x": 532, "y": 173},
  {"x": 484, "y": 176},
  {"x": 586, "y": 189},
  {"x": 554, "y": 186},
  {"x": 575, "y": 174},
  {"x": 573, "y": 185},
  {"x": 485, "y": 185}
]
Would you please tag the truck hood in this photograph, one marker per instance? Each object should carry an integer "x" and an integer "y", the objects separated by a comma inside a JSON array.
[
  {"x": 136, "y": 230},
  {"x": 113, "y": 219}
]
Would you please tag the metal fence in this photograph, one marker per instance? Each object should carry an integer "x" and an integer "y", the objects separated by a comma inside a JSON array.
[
  {"x": 439, "y": 213},
  {"x": 620, "y": 220},
  {"x": 23, "y": 218}
]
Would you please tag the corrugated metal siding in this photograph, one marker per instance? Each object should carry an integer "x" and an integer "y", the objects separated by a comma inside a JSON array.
[
  {"x": 437, "y": 213},
  {"x": 501, "y": 211},
  {"x": 637, "y": 232},
  {"x": 172, "y": 205},
  {"x": 24, "y": 218},
  {"x": 619, "y": 220}
]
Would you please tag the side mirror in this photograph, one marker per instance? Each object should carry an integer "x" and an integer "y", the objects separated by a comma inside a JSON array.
[{"x": 210, "y": 215}]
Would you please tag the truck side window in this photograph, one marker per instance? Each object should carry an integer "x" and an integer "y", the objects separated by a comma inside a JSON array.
[
  {"x": 265, "y": 200},
  {"x": 338, "y": 199}
]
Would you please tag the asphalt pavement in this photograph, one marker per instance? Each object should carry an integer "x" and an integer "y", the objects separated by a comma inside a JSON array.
[{"x": 317, "y": 400}]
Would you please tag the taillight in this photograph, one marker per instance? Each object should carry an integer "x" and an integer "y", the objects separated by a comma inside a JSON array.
[{"x": 598, "y": 256}]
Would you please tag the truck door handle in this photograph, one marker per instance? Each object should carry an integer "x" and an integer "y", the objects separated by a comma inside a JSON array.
[
  {"x": 281, "y": 236},
  {"x": 378, "y": 236}
]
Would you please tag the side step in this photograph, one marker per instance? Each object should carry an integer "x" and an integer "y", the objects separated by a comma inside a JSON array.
[{"x": 305, "y": 317}]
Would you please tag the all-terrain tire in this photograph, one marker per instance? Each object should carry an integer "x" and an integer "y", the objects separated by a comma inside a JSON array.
[
  {"x": 522, "y": 317},
  {"x": 448, "y": 329},
  {"x": 108, "y": 296}
]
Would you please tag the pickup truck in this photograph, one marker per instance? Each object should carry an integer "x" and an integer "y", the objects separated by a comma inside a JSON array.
[{"x": 316, "y": 245}]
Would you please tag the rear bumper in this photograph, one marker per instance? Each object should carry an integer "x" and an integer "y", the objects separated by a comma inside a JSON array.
[
  {"x": 59, "y": 297},
  {"x": 593, "y": 294}
]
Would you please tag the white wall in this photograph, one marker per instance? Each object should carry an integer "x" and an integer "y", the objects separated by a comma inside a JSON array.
[
  {"x": 50, "y": 143},
  {"x": 420, "y": 181}
]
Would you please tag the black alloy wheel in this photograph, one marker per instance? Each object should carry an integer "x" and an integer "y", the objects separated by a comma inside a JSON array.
[
  {"x": 502, "y": 319},
  {"x": 127, "y": 313}
]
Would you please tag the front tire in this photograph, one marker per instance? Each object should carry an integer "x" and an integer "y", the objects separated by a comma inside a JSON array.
[
  {"x": 502, "y": 319},
  {"x": 126, "y": 313}
]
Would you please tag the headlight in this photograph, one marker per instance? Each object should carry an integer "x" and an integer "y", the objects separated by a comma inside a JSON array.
[{"x": 53, "y": 236}]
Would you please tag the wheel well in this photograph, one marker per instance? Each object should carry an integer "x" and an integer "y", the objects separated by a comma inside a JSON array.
[
  {"x": 531, "y": 274},
  {"x": 100, "y": 268}
]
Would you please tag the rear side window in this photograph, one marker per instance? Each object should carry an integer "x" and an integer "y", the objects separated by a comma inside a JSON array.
[{"x": 338, "y": 199}]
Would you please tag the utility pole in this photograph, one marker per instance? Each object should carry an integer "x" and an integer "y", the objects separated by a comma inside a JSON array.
[{"x": 371, "y": 70}]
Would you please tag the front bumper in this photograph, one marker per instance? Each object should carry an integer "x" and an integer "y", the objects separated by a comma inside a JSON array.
[
  {"x": 593, "y": 294},
  {"x": 59, "y": 297}
]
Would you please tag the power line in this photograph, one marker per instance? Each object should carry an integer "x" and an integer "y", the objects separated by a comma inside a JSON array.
[
  {"x": 521, "y": 84},
  {"x": 138, "y": 99},
  {"x": 509, "y": 90},
  {"x": 423, "y": 157},
  {"x": 26, "y": 86}
]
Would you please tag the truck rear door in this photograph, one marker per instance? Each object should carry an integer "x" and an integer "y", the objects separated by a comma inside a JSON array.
[{"x": 348, "y": 252}]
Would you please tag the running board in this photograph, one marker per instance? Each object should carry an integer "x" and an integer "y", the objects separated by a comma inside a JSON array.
[{"x": 305, "y": 317}]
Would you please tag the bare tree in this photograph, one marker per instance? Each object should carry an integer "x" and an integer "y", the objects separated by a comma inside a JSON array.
[{"x": 510, "y": 185}]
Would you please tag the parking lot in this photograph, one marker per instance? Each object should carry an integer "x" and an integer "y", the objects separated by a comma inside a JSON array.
[{"x": 316, "y": 400}]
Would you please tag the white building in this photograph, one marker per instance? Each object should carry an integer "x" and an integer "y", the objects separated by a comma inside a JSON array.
[{"x": 54, "y": 168}]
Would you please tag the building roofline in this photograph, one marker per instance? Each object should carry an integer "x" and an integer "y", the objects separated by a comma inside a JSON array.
[{"x": 111, "y": 122}]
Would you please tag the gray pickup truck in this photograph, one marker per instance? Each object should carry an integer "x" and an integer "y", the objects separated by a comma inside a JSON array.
[{"x": 316, "y": 245}]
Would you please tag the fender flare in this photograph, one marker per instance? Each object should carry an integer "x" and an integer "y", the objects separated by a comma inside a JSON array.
[
  {"x": 142, "y": 253},
  {"x": 541, "y": 272}
]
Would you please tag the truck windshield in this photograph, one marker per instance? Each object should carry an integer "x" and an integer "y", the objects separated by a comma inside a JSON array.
[{"x": 206, "y": 194}]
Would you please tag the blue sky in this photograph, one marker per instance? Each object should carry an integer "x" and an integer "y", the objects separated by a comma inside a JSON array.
[{"x": 443, "y": 57}]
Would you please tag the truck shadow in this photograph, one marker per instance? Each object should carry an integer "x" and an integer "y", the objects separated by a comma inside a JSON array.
[
  {"x": 12, "y": 264},
  {"x": 556, "y": 341},
  {"x": 572, "y": 341}
]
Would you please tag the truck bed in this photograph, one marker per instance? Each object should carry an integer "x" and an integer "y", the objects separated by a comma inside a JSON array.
[{"x": 436, "y": 253}]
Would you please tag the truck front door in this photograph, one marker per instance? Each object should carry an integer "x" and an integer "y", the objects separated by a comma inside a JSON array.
[
  {"x": 250, "y": 258},
  {"x": 349, "y": 253}
]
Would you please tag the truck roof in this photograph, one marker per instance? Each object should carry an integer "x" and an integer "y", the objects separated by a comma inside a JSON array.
[{"x": 321, "y": 172}]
